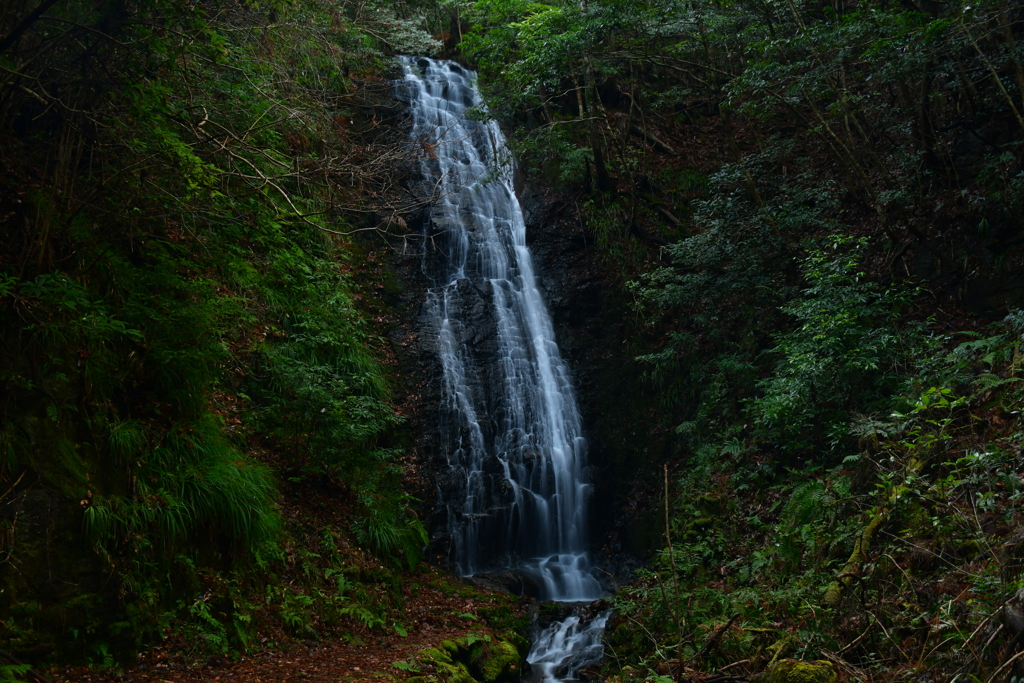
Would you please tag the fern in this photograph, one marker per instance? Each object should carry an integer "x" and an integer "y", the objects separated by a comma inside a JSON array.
[
  {"x": 13, "y": 672},
  {"x": 364, "y": 616},
  {"x": 807, "y": 503},
  {"x": 988, "y": 381}
]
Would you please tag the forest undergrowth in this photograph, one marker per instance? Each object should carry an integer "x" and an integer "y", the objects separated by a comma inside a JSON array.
[
  {"x": 202, "y": 451},
  {"x": 816, "y": 211}
]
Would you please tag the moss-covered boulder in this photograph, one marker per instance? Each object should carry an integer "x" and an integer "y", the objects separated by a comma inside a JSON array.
[
  {"x": 795, "y": 671},
  {"x": 498, "y": 663},
  {"x": 473, "y": 659},
  {"x": 447, "y": 668}
]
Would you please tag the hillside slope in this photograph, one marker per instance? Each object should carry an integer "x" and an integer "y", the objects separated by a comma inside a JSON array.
[
  {"x": 812, "y": 215},
  {"x": 202, "y": 432}
]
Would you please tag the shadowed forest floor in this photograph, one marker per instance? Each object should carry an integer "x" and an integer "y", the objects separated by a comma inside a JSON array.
[{"x": 438, "y": 611}]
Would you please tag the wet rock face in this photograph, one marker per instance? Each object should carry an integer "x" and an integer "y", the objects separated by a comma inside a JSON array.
[
  {"x": 473, "y": 325},
  {"x": 588, "y": 311},
  {"x": 507, "y": 393},
  {"x": 418, "y": 382},
  {"x": 512, "y": 581},
  {"x": 572, "y": 284}
]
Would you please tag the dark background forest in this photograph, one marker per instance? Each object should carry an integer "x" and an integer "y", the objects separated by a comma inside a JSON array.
[{"x": 800, "y": 235}]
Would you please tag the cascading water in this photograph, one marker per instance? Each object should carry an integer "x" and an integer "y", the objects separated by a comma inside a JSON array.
[
  {"x": 517, "y": 495},
  {"x": 564, "y": 647}
]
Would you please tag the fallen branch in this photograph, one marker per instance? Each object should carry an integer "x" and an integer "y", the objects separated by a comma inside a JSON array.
[
  {"x": 730, "y": 666},
  {"x": 857, "y": 639},
  {"x": 35, "y": 675},
  {"x": 1007, "y": 663},
  {"x": 667, "y": 215},
  {"x": 720, "y": 675},
  {"x": 862, "y": 544},
  {"x": 643, "y": 234},
  {"x": 847, "y": 668},
  {"x": 650, "y": 137},
  {"x": 719, "y": 632}
]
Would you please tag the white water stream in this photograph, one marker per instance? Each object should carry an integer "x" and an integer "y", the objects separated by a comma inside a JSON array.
[{"x": 515, "y": 447}]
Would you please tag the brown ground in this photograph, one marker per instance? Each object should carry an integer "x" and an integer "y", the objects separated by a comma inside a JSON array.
[{"x": 432, "y": 615}]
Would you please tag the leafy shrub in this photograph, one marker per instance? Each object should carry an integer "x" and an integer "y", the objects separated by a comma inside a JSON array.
[{"x": 846, "y": 351}]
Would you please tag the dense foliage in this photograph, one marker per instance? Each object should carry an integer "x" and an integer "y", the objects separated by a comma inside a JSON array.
[
  {"x": 183, "y": 323},
  {"x": 816, "y": 210}
]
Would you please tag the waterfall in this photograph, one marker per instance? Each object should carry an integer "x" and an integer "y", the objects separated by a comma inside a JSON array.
[
  {"x": 560, "y": 650},
  {"x": 517, "y": 488},
  {"x": 513, "y": 428}
]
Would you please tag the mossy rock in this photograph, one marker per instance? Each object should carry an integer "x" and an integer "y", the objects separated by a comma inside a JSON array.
[
  {"x": 794, "y": 671},
  {"x": 522, "y": 644},
  {"x": 711, "y": 504},
  {"x": 446, "y": 668},
  {"x": 473, "y": 660},
  {"x": 498, "y": 663},
  {"x": 702, "y": 523},
  {"x": 454, "y": 673},
  {"x": 422, "y": 679}
]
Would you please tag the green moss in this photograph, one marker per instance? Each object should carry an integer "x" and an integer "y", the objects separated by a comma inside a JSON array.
[
  {"x": 447, "y": 669},
  {"x": 517, "y": 639},
  {"x": 779, "y": 649},
  {"x": 499, "y": 662},
  {"x": 475, "y": 653},
  {"x": 474, "y": 658},
  {"x": 710, "y": 504},
  {"x": 432, "y": 655},
  {"x": 794, "y": 671},
  {"x": 503, "y": 618},
  {"x": 454, "y": 673}
]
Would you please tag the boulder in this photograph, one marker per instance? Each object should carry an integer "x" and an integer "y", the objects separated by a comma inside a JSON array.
[
  {"x": 474, "y": 659},
  {"x": 499, "y": 663},
  {"x": 795, "y": 671}
]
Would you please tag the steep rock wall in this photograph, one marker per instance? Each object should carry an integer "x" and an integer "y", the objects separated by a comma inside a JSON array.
[
  {"x": 591, "y": 317},
  {"x": 593, "y": 325}
]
